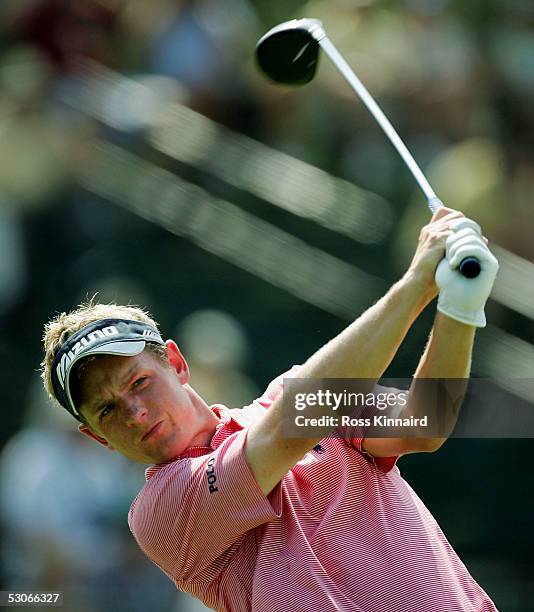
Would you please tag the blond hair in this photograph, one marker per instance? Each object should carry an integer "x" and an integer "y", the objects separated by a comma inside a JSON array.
[{"x": 59, "y": 329}]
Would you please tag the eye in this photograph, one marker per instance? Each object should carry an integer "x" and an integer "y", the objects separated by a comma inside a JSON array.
[
  {"x": 106, "y": 410},
  {"x": 139, "y": 381}
]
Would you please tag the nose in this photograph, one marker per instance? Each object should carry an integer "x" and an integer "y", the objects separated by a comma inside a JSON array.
[{"x": 135, "y": 412}]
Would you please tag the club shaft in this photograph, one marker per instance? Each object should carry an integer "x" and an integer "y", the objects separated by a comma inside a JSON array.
[{"x": 433, "y": 201}]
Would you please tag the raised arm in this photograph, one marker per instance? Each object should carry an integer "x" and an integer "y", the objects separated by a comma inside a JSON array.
[
  {"x": 363, "y": 350},
  {"x": 448, "y": 352}
]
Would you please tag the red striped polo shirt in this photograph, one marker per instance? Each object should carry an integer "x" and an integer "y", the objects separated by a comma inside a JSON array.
[{"x": 341, "y": 531}]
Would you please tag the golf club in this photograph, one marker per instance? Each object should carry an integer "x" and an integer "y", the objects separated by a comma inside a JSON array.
[{"x": 289, "y": 54}]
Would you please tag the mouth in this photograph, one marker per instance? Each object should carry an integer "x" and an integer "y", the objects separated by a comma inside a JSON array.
[{"x": 152, "y": 430}]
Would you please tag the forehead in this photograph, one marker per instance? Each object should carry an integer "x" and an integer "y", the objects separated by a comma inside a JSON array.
[{"x": 111, "y": 367}]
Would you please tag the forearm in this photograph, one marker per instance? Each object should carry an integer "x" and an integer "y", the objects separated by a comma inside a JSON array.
[
  {"x": 449, "y": 349},
  {"x": 447, "y": 356}
]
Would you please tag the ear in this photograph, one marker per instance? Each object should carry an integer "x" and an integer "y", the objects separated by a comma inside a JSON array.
[
  {"x": 177, "y": 361},
  {"x": 86, "y": 431}
]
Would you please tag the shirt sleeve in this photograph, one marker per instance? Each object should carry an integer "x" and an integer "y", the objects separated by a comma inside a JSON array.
[
  {"x": 383, "y": 464},
  {"x": 275, "y": 388},
  {"x": 192, "y": 515}
]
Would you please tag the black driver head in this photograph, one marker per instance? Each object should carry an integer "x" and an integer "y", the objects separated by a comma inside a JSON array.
[{"x": 289, "y": 53}]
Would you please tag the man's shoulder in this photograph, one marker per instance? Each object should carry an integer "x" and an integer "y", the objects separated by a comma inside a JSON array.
[
  {"x": 176, "y": 474},
  {"x": 247, "y": 415},
  {"x": 174, "y": 480},
  {"x": 157, "y": 476},
  {"x": 272, "y": 392}
]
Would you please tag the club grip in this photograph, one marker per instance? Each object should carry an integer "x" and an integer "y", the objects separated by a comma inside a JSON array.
[{"x": 470, "y": 267}]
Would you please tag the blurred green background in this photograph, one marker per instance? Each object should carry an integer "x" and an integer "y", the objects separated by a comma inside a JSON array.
[{"x": 143, "y": 157}]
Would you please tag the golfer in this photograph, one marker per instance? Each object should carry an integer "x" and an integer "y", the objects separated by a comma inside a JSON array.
[{"x": 244, "y": 518}]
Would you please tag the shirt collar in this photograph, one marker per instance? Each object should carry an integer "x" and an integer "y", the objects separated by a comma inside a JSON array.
[{"x": 221, "y": 432}]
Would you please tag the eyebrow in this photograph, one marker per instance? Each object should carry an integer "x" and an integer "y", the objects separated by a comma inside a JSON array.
[{"x": 94, "y": 405}]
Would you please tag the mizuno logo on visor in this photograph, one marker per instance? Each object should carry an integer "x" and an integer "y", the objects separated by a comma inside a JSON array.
[{"x": 84, "y": 342}]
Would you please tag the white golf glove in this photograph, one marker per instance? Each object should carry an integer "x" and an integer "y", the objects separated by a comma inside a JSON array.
[{"x": 463, "y": 298}]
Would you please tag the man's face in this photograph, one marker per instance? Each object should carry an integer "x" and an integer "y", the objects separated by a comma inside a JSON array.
[{"x": 142, "y": 407}]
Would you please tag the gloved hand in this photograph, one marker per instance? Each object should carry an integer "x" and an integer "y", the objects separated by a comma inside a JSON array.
[{"x": 463, "y": 298}]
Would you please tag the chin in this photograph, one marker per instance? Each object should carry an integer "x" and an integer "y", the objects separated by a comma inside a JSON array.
[{"x": 168, "y": 455}]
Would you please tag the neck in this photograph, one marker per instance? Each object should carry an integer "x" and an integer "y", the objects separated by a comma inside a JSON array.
[{"x": 208, "y": 420}]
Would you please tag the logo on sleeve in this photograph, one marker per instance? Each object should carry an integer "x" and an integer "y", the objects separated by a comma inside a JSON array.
[{"x": 212, "y": 478}]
